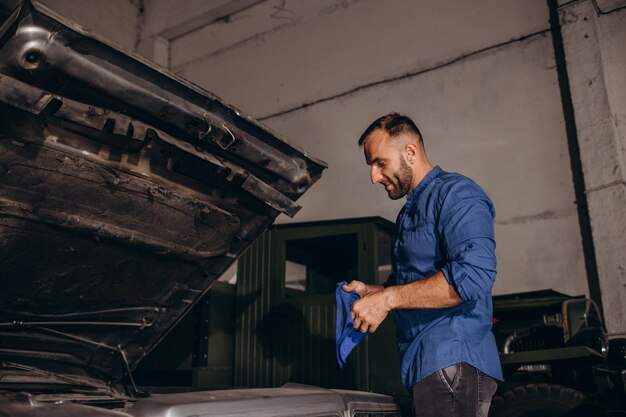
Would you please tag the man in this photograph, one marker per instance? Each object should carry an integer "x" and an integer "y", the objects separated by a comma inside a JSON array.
[{"x": 444, "y": 266}]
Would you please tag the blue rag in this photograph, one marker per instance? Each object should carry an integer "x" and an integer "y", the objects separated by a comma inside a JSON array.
[{"x": 345, "y": 335}]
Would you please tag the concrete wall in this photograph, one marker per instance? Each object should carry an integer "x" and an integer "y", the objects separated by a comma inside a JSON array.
[
  {"x": 479, "y": 78},
  {"x": 115, "y": 19},
  {"x": 594, "y": 41}
]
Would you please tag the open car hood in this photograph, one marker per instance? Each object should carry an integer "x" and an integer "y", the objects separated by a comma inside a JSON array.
[{"x": 125, "y": 191}]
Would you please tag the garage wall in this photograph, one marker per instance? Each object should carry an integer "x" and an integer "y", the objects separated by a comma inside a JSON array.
[
  {"x": 115, "y": 19},
  {"x": 479, "y": 78},
  {"x": 594, "y": 35}
]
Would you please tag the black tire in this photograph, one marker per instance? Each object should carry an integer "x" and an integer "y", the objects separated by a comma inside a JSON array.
[{"x": 536, "y": 400}]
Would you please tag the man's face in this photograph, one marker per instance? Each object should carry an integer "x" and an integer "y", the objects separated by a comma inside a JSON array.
[{"x": 387, "y": 164}]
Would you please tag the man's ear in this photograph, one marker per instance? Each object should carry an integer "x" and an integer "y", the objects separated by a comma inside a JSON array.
[{"x": 411, "y": 152}]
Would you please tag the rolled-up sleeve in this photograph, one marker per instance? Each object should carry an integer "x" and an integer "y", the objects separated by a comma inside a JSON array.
[{"x": 467, "y": 234}]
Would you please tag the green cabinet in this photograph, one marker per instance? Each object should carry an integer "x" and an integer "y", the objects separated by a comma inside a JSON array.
[
  {"x": 277, "y": 324},
  {"x": 285, "y": 327}
]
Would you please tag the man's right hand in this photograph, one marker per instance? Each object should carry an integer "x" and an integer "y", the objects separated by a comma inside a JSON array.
[{"x": 357, "y": 286}]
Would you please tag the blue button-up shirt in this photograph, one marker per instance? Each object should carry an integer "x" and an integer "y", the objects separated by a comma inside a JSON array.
[{"x": 446, "y": 225}]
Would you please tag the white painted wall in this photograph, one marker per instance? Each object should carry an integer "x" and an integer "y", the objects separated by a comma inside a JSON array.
[
  {"x": 596, "y": 57},
  {"x": 322, "y": 48},
  {"x": 515, "y": 148},
  {"x": 478, "y": 77},
  {"x": 488, "y": 105},
  {"x": 115, "y": 19}
]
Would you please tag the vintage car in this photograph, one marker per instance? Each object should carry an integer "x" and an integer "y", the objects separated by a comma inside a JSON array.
[{"x": 125, "y": 192}]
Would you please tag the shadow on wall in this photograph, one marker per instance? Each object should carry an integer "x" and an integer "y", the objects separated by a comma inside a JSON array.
[{"x": 297, "y": 354}]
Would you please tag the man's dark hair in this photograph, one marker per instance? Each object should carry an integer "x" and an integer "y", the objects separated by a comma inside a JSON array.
[{"x": 394, "y": 124}]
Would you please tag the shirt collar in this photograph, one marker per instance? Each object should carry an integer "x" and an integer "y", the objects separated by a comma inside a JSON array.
[{"x": 415, "y": 192}]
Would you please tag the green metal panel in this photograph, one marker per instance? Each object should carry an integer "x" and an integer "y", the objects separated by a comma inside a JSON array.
[
  {"x": 315, "y": 355},
  {"x": 384, "y": 363},
  {"x": 219, "y": 369},
  {"x": 253, "y": 344},
  {"x": 304, "y": 343},
  {"x": 295, "y": 332}
]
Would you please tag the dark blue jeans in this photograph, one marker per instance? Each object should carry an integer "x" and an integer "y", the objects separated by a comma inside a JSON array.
[{"x": 457, "y": 391}]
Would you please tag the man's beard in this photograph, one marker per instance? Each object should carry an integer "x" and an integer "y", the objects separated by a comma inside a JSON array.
[{"x": 402, "y": 181}]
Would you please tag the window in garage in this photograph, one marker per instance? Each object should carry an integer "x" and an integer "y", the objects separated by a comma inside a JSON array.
[{"x": 315, "y": 265}]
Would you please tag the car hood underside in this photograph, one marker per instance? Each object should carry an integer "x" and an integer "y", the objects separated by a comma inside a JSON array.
[{"x": 125, "y": 191}]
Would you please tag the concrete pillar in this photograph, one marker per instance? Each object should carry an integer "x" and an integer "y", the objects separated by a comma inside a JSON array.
[{"x": 594, "y": 35}]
